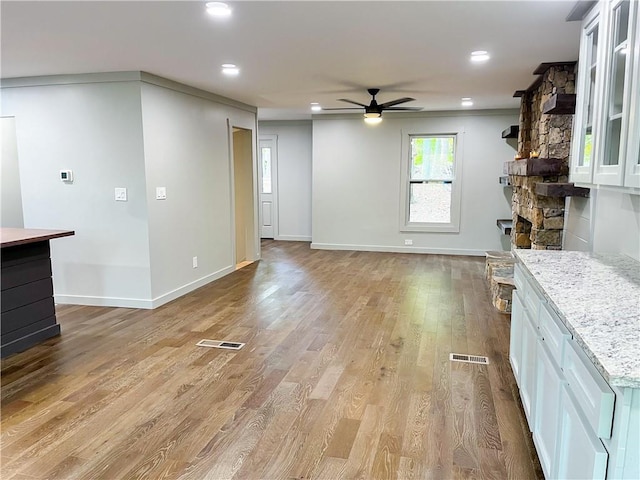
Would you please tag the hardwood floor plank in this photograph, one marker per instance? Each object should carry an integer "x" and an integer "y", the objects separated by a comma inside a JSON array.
[
  {"x": 343, "y": 438},
  {"x": 345, "y": 374}
]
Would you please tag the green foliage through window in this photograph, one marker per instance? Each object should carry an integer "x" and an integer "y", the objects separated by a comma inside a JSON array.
[{"x": 432, "y": 158}]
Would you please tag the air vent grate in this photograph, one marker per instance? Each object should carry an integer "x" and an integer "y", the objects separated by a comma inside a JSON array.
[
  {"x": 220, "y": 344},
  {"x": 461, "y": 357}
]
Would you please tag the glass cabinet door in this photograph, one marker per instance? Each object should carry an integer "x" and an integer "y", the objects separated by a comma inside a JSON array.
[
  {"x": 632, "y": 174},
  {"x": 588, "y": 82},
  {"x": 616, "y": 101}
]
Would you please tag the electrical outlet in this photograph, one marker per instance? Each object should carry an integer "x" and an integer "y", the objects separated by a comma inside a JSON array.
[
  {"x": 121, "y": 194},
  {"x": 408, "y": 241},
  {"x": 161, "y": 193},
  {"x": 195, "y": 262}
]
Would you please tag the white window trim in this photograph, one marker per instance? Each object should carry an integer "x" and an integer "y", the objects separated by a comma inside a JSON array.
[{"x": 456, "y": 187}]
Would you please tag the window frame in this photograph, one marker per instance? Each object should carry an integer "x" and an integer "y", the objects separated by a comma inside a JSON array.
[{"x": 453, "y": 226}]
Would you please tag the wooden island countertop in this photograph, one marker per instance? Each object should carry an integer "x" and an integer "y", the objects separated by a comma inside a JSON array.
[{"x": 10, "y": 237}]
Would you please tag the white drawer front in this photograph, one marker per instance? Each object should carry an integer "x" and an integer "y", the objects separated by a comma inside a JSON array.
[
  {"x": 519, "y": 277},
  {"x": 528, "y": 293},
  {"x": 591, "y": 391},
  {"x": 532, "y": 300},
  {"x": 553, "y": 333}
]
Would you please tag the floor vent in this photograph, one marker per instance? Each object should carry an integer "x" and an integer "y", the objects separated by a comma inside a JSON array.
[
  {"x": 459, "y": 357},
  {"x": 220, "y": 344}
]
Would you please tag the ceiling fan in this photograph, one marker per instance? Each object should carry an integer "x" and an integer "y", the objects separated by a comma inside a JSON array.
[{"x": 373, "y": 111}]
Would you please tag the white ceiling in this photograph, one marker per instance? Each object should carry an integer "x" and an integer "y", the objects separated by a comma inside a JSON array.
[{"x": 292, "y": 53}]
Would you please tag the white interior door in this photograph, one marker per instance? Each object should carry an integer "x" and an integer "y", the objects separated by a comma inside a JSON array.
[{"x": 268, "y": 186}]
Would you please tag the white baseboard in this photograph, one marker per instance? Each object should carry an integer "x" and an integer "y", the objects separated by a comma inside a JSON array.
[
  {"x": 103, "y": 301},
  {"x": 189, "y": 287},
  {"x": 143, "y": 303},
  {"x": 401, "y": 249},
  {"x": 294, "y": 238}
]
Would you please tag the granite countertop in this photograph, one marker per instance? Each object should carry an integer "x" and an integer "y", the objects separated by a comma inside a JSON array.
[{"x": 597, "y": 297}]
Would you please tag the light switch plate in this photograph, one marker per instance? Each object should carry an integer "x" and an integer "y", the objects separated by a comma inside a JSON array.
[
  {"x": 161, "y": 193},
  {"x": 121, "y": 194}
]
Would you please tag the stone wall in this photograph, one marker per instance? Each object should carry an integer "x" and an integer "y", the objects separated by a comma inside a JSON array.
[
  {"x": 554, "y": 131},
  {"x": 538, "y": 220},
  {"x": 544, "y": 216},
  {"x": 550, "y": 135}
]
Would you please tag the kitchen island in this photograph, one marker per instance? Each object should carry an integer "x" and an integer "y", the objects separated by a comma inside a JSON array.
[{"x": 28, "y": 310}]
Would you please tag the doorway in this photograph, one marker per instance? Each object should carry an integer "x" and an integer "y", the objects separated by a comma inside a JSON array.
[
  {"x": 268, "y": 186},
  {"x": 245, "y": 249}
]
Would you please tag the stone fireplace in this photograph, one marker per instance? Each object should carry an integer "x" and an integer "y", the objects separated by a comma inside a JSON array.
[{"x": 539, "y": 174}]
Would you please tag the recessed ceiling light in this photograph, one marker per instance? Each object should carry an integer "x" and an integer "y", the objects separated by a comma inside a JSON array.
[
  {"x": 315, "y": 106},
  {"x": 218, "y": 9},
  {"x": 480, "y": 56},
  {"x": 466, "y": 102},
  {"x": 230, "y": 69}
]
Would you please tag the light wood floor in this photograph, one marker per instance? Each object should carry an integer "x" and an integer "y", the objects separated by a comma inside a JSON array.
[{"x": 345, "y": 374}]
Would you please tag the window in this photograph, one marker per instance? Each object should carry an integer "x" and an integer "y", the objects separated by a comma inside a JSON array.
[
  {"x": 265, "y": 156},
  {"x": 430, "y": 186}
]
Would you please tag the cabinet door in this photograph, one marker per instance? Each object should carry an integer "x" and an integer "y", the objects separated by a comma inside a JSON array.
[
  {"x": 515, "y": 339},
  {"x": 528, "y": 368},
  {"x": 588, "y": 99},
  {"x": 615, "y": 112},
  {"x": 632, "y": 175},
  {"x": 581, "y": 454},
  {"x": 549, "y": 381}
]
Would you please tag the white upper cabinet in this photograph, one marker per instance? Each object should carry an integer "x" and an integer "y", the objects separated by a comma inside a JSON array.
[{"x": 607, "y": 128}]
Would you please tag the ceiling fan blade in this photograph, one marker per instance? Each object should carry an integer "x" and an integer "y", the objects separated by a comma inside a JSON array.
[
  {"x": 351, "y": 101},
  {"x": 342, "y": 108},
  {"x": 397, "y": 102},
  {"x": 406, "y": 109}
]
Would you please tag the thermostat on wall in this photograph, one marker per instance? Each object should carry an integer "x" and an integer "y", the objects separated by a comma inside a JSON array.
[{"x": 66, "y": 176}]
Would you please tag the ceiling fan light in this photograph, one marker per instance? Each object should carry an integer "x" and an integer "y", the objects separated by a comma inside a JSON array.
[
  {"x": 371, "y": 120},
  {"x": 373, "y": 115}
]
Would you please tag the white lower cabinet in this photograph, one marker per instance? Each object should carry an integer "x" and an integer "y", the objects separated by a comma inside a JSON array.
[
  {"x": 569, "y": 406},
  {"x": 549, "y": 383},
  {"x": 580, "y": 453},
  {"x": 528, "y": 367},
  {"x": 515, "y": 340}
]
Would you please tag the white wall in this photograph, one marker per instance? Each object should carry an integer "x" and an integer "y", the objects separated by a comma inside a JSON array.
[
  {"x": 356, "y": 182},
  {"x": 10, "y": 193},
  {"x": 132, "y": 130},
  {"x": 294, "y": 177},
  {"x": 94, "y": 129},
  {"x": 186, "y": 143},
  {"x": 606, "y": 222}
]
